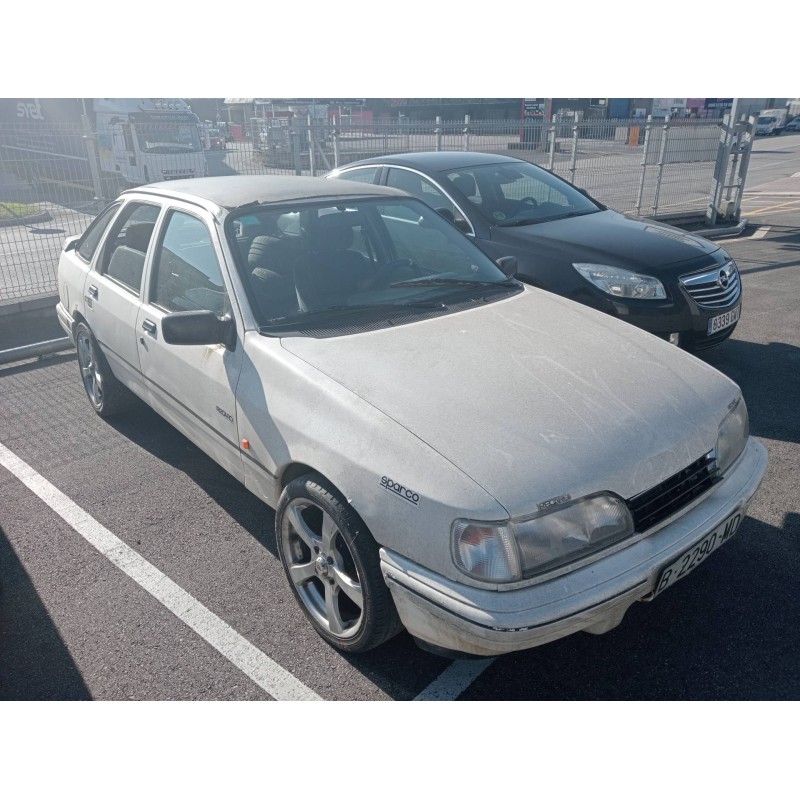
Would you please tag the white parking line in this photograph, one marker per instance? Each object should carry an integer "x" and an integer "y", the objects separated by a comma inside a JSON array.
[
  {"x": 455, "y": 680},
  {"x": 761, "y": 232},
  {"x": 261, "y": 669}
]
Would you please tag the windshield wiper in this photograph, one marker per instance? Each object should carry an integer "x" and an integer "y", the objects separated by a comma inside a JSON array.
[
  {"x": 427, "y": 280},
  {"x": 334, "y": 312},
  {"x": 512, "y": 223}
]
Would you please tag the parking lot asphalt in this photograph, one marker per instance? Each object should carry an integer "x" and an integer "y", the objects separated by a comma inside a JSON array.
[{"x": 74, "y": 624}]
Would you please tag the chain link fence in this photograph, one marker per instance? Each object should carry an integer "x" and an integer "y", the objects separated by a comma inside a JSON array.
[{"x": 55, "y": 178}]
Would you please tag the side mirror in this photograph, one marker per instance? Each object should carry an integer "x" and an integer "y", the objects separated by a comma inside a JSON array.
[
  {"x": 463, "y": 225},
  {"x": 447, "y": 214},
  {"x": 198, "y": 327},
  {"x": 508, "y": 265},
  {"x": 70, "y": 243}
]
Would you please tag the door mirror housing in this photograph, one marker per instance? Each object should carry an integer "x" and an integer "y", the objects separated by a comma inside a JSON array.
[
  {"x": 70, "y": 243},
  {"x": 508, "y": 265},
  {"x": 198, "y": 327}
]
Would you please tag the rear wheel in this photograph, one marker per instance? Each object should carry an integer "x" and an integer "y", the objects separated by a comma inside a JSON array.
[
  {"x": 332, "y": 564},
  {"x": 106, "y": 394}
]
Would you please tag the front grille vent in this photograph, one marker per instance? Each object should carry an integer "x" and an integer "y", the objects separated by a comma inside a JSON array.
[
  {"x": 662, "y": 501},
  {"x": 716, "y": 288}
]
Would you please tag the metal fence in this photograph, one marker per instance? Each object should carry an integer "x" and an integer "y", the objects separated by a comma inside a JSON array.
[{"x": 55, "y": 178}]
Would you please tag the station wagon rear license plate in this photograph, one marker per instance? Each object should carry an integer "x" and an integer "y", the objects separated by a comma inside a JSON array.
[
  {"x": 687, "y": 561},
  {"x": 723, "y": 321}
]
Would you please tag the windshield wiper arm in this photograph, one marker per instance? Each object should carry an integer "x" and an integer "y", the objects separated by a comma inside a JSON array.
[
  {"x": 442, "y": 281},
  {"x": 341, "y": 311}
]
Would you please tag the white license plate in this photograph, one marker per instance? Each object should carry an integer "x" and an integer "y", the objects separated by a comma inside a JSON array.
[
  {"x": 723, "y": 320},
  {"x": 686, "y": 562}
]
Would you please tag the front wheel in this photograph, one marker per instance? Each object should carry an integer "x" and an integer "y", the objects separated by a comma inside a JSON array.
[{"x": 332, "y": 564}]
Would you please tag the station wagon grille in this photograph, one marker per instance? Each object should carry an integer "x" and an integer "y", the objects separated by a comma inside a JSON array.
[
  {"x": 656, "y": 504},
  {"x": 716, "y": 288}
]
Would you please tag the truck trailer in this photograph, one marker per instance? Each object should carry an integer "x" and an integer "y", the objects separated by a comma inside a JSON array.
[{"x": 117, "y": 143}]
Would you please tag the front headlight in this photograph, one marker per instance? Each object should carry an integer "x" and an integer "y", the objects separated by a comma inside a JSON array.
[
  {"x": 733, "y": 434},
  {"x": 510, "y": 551},
  {"x": 620, "y": 282}
]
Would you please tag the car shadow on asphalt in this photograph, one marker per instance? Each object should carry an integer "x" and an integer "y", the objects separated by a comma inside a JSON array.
[
  {"x": 768, "y": 377},
  {"x": 35, "y": 664}
]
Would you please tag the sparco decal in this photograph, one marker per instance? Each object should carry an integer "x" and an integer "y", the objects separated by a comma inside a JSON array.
[{"x": 401, "y": 491}]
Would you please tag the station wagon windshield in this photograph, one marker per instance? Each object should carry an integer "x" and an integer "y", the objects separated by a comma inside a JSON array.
[
  {"x": 508, "y": 195},
  {"x": 339, "y": 262}
]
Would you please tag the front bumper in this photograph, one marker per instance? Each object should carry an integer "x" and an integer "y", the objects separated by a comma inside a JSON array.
[{"x": 594, "y": 598}]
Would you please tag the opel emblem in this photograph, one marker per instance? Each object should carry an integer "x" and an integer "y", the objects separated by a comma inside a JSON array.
[{"x": 723, "y": 279}]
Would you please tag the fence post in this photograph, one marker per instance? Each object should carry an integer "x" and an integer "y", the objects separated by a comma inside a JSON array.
[
  {"x": 720, "y": 169},
  {"x": 551, "y": 132},
  {"x": 748, "y": 134},
  {"x": 311, "y": 165},
  {"x": 335, "y": 137},
  {"x": 639, "y": 196},
  {"x": 91, "y": 152},
  {"x": 438, "y": 131},
  {"x": 661, "y": 155},
  {"x": 466, "y": 132},
  {"x": 294, "y": 138},
  {"x": 574, "y": 157}
]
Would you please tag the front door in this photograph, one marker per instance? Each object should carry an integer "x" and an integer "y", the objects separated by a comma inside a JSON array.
[{"x": 193, "y": 386}]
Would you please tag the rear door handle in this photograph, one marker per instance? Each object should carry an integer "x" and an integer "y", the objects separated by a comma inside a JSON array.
[
  {"x": 149, "y": 326},
  {"x": 93, "y": 291}
]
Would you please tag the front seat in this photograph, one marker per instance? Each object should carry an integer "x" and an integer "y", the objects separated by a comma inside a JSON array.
[
  {"x": 270, "y": 262},
  {"x": 330, "y": 273}
]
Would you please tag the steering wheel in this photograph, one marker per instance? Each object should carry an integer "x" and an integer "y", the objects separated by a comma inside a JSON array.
[
  {"x": 395, "y": 270},
  {"x": 530, "y": 201}
]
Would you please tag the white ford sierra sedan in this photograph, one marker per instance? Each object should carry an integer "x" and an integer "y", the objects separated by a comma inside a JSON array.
[{"x": 488, "y": 465}]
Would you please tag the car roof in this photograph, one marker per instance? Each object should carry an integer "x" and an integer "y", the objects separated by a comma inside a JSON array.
[
  {"x": 234, "y": 191},
  {"x": 437, "y": 160}
]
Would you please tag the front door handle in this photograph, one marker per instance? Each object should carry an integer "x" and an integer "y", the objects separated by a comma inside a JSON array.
[
  {"x": 93, "y": 291},
  {"x": 149, "y": 326}
]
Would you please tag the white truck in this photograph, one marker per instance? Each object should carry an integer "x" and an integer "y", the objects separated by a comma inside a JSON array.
[
  {"x": 771, "y": 122},
  {"x": 136, "y": 141}
]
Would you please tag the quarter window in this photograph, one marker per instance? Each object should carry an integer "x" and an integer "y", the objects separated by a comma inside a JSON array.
[
  {"x": 94, "y": 233},
  {"x": 187, "y": 275},
  {"x": 361, "y": 175}
]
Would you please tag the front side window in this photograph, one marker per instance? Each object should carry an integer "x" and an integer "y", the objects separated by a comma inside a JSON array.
[
  {"x": 354, "y": 257},
  {"x": 419, "y": 186},
  {"x": 510, "y": 194},
  {"x": 126, "y": 249},
  {"x": 186, "y": 272},
  {"x": 94, "y": 233}
]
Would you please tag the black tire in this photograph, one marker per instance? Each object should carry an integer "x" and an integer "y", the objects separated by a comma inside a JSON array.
[
  {"x": 106, "y": 394},
  {"x": 323, "y": 557}
]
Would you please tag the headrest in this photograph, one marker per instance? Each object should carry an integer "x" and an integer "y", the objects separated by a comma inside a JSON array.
[
  {"x": 465, "y": 184},
  {"x": 137, "y": 235},
  {"x": 335, "y": 231}
]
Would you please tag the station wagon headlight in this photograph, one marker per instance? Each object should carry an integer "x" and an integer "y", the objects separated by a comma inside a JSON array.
[
  {"x": 620, "y": 282},
  {"x": 733, "y": 434},
  {"x": 513, "y": 550}
]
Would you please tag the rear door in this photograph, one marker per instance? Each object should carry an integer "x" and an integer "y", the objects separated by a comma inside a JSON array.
[
  {"x": 193, "y": 386},
  {"x": 112, "y": 292}
]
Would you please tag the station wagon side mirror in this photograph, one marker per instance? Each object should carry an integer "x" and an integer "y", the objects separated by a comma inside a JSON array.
[
  {"x": 198, "y": 327},
  {"x": 71, "y": 243},
  {"x": 508, "y": 265}
]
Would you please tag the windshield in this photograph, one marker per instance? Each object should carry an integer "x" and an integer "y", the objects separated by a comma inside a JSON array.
[
  {"x": 168, "y": 137},
  {"x": 518, "y": 193},
  {"x": 765, "y": 120},
  {"x": 305, "y": 264}
]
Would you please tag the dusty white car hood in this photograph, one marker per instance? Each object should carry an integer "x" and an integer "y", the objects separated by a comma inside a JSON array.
[{"x": 535, "y": 396}]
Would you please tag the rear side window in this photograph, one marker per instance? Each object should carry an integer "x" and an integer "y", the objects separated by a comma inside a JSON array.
[
  {"x": 187, "y": 276},
  {"x": 124, "y": 255},
  {"x": 94, "y": 233}
]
